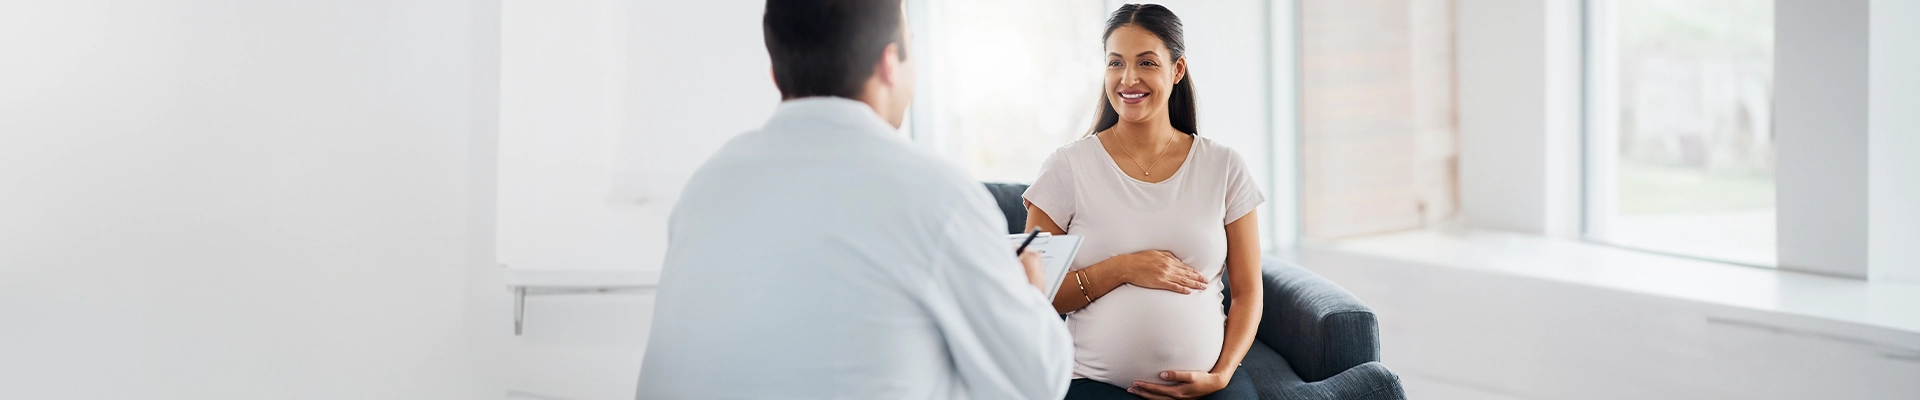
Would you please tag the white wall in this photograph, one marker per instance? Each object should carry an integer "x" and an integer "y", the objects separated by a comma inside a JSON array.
[
  {"x": 1501, "y": 72},
  {"x": 698, "y": 75},
  {"x": 562, "y": 67},
  {"x": 1847, "y": 178},
  {"x": 217, "y": 199},
  {"x": 1820, "y": 135},
  {"x": 606, "y": 102},
  {"x": 1518, "y": 105},
  {"x": 603, "y": 102},
  {"x": 1893, "y": 182}
]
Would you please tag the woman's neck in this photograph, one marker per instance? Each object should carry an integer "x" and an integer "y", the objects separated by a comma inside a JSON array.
[{"x": 1152, "y": 136}]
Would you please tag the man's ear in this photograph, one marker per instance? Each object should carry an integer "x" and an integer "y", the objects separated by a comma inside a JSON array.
[
  {"x": 887, "y": 67},
  {"x": 775, "y": 78}
]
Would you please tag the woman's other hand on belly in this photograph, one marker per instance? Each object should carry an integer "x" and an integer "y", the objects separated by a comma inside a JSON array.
[
  {"x": 1159, "y": 269},
  {"x": 1186, "y": 385}
]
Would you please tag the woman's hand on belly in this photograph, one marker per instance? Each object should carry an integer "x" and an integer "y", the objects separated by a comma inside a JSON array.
[
  {"x": 1186, "y": 385},
  {"x": 1158, "y": 269},
  {"x": 1151, "y": 269}
]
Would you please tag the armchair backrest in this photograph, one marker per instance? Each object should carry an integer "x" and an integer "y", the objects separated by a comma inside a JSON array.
[{"x": 1007, "y": 195}]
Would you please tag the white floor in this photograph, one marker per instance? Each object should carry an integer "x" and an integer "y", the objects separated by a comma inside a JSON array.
[
  {"x": 589, "y": 347},
  {"x": 1449, "y": 333},
  {"x": 579, "y": 347},
  {"x": 1423, "y": 388}
]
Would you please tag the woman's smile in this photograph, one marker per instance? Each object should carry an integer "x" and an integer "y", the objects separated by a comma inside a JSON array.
[{"x": 1133, "y": 96}]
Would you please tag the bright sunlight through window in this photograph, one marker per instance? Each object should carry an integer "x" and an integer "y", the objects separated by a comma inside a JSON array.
[
  {"x": 1680, "y": 145},
  {"x": 1008, "y": 81}
]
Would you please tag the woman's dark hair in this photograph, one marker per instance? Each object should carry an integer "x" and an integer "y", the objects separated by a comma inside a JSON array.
[
  {"x": 828, "y": 47},
  {"x": 1163, "y": 24}
]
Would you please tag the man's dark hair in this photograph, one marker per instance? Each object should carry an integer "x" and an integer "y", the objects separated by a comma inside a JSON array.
[{"x": 828, "y": 47}]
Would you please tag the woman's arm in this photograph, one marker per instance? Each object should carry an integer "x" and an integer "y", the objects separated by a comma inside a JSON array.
[
  {"x": 1151, "y": 269},
  {"x": 1243, "y": 277},
  {"x": 1243, "y": 320}
]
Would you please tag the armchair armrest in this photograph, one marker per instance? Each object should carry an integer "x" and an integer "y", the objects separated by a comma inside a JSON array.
[
  {"x": 1317, "y": 326},
  {"x": 1275, "y": 380}
]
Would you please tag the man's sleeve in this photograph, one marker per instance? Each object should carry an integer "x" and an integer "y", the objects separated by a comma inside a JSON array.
[{"x": 1005, "y": 338}]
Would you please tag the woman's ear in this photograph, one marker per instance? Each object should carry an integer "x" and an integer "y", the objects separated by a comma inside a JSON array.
[{"x": 1179, "y": 70}]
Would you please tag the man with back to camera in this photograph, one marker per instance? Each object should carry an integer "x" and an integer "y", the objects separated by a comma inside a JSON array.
[{"x": 822, "y": 256}]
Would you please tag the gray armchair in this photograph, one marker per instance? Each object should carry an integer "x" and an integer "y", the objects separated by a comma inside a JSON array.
[{"x": 1316, "y": 340}]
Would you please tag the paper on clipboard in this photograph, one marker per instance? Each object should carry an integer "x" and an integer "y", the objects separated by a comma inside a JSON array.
[{"x": 1056, "y": 255}]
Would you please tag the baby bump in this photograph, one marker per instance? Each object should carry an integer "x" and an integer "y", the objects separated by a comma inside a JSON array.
[{"x": 1133, "y": 333}]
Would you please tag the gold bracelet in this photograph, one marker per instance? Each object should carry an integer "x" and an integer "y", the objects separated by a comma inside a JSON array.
[{"x": 1083, "y": 285}]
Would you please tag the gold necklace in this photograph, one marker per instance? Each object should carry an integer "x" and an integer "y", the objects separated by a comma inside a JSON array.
[{"x": 1148, "y": 169}]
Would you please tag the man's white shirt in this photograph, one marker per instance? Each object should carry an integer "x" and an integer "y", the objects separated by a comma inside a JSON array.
[{"x": 823, "y": 256}]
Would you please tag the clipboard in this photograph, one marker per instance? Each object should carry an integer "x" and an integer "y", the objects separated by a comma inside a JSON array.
[{"x": 1056, "y": 256}]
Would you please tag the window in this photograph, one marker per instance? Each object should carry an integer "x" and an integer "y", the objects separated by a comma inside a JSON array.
[
  {"x": 1679, "y": 138},
  {"x": 1378, "y": 133},
  {"x": 1005, "y": 82}
]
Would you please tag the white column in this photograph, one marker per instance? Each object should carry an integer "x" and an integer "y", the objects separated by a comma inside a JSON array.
[
  {"x": 1519, "y": 114},
  {"x": 1893, "y": 126},
  {"x": 1820, "y": 135},
  {"x": 1283, "y": 213}
]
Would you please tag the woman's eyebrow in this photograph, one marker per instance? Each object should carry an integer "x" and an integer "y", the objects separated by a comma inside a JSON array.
[{"x": 1142, "y": 54}]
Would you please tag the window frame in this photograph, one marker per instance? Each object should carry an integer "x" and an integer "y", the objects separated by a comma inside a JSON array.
[{"x": 1597, "y": 161}]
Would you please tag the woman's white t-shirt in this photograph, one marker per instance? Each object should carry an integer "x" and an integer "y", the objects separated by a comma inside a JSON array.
[{"x": 1133, "y": 333}]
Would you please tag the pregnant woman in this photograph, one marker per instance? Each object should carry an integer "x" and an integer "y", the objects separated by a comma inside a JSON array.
[{"x": 1164, "y": 213}]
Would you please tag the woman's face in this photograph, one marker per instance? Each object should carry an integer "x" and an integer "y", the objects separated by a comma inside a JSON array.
[{"x": 1140, "y": 74}]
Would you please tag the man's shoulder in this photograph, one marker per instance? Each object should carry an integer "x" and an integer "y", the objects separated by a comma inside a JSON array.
[
  {"x": 932, "y": 184},
  {"x": 871, "y": 170}
]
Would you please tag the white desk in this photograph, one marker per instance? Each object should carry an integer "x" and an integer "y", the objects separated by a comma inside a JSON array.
[{"x": 525, "y": 282}]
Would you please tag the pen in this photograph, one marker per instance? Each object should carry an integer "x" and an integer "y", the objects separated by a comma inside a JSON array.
[{"x": 1023, "y": 245}]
